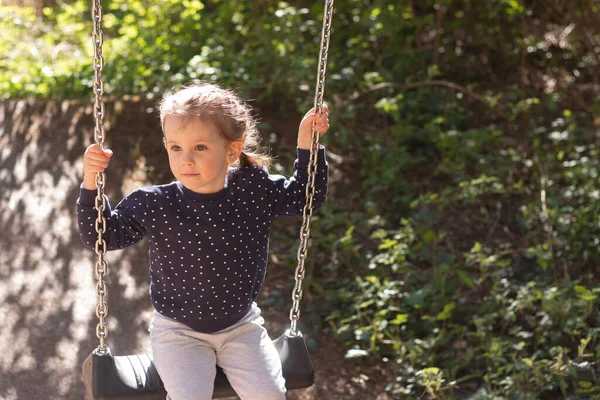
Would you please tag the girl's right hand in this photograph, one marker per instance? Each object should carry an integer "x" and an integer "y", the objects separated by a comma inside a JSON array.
[{"x": 94, "y": 160}]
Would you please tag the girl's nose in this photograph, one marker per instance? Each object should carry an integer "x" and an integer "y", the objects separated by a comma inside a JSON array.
[{"x": 186, "y": 160}]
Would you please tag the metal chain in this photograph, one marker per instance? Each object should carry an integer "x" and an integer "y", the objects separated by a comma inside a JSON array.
[
  {"x": 312, "y": 171},
  {"x": 101, "y": 266}
]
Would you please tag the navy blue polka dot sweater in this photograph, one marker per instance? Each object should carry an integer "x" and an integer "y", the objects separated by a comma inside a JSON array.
[{"x": 208, "y": 252}]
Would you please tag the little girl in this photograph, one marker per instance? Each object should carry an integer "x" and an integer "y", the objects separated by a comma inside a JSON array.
[{"x": 209, "y": 237}]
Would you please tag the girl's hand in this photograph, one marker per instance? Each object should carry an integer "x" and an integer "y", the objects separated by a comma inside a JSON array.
[
  {"x": 305, "y": 129},
  {"x": 94, "y": 160}
]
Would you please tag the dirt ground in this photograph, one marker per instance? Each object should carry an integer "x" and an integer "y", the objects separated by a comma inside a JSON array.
[{"x": 47, "y": 297}]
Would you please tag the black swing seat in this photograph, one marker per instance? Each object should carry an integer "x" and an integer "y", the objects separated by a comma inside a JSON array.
[{"x": 135, "y": 377}]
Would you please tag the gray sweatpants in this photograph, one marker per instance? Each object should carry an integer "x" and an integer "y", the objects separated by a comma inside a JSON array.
[{"x": 186, "y": 359}]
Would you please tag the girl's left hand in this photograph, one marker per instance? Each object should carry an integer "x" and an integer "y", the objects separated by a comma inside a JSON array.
[{"x": 305, "y": 129}]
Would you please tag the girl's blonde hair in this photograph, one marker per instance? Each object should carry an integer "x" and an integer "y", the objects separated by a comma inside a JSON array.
[{"x": 226, "y": 110}]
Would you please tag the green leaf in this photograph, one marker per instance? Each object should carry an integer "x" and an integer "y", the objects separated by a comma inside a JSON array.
[
  {"x": 387, "y": 244},
  {"x": 417, "y": 298},
  {"x": 429, "y": 236},
  {"x": 447, "y": 311},
  {"x": 466, "y": 279},
  {"x": 372, "y": 279},
  {"x": 400, "y": 319}
]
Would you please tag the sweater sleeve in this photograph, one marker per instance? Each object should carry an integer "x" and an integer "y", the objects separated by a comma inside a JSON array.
[
  {"x": 287, "y": 197},
  {"x": 126, "y": 224}
]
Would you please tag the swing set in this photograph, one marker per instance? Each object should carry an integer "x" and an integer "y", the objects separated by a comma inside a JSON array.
[{"x": 134, "y": 377}]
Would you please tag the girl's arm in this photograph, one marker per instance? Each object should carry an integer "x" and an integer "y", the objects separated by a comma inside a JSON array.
[
  {"x": 126, "y": 224},
  {"x": 287, "y": 197}
]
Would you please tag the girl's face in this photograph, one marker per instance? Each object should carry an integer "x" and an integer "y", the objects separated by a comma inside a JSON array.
[{"x": 198, "y": 155}]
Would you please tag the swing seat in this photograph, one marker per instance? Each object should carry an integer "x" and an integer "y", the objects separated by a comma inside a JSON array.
[{"x": 135, "y": 377}]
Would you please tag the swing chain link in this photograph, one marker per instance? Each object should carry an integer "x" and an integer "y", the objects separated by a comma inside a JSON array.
[
  {"x": 312, "y": 172},
  {"x": 100, "y": 205}
]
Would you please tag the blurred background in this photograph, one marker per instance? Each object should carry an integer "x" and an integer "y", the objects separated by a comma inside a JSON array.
[{"x": 457, "y": 254}]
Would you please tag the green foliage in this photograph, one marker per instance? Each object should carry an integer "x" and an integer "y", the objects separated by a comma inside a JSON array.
[
  {"x": 39, "y": 60},
  {"x": 482, "y": 280},
  {"x": 463, "y": 253},
  {"x": 151, "y": 46}
]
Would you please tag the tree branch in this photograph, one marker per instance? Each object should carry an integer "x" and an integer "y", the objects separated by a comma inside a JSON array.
[{"x": 451, "y": 85}]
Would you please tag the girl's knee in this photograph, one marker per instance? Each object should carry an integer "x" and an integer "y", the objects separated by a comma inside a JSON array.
[
  {"x": 270, "y": 391},
  {"x": 205, "y": 393},
  {"x": 271, "y": 395}
]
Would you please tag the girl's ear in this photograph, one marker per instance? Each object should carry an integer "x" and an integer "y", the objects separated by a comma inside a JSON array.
[{"x": 235, "y": 148}]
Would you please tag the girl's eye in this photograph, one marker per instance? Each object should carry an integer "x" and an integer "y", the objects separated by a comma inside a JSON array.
[
  {"x": 175, "y": 148},
  {"x": 200, "y": 147}
]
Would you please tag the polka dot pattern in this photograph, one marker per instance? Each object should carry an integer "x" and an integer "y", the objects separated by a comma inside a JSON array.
[{"x": 208, "y": 252}]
